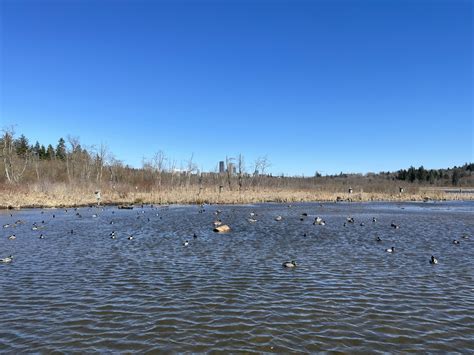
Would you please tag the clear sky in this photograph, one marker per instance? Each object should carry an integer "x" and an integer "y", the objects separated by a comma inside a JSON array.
[{"x": 329, "y": 86}]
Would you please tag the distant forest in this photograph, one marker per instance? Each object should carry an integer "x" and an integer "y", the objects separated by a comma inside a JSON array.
[{"x": 23, "y": 162}]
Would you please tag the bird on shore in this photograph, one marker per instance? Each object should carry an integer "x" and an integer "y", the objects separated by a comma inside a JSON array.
[
  {"x": 456, "y": 242},
  {"x": 12, "y": 237},
  {"x": 289, "y": 264},
  {"x": 433, "y": 260},
  {"x": 390, "y": 250},
  {"x": 7, "y": 259}
]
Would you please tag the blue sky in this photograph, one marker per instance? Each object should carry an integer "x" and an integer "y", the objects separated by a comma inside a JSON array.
[{"x": 329, "y": 86}]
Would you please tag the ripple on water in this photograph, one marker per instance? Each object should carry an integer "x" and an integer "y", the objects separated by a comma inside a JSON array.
[{"x": 86, "y": 292}]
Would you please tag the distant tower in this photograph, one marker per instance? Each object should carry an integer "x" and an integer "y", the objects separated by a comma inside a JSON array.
[{"x": 221, "y": 167}]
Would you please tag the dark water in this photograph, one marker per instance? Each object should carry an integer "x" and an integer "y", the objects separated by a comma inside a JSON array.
[{"x": 86, "y": 292}]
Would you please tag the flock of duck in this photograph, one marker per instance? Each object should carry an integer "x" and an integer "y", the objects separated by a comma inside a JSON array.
[{"x": 219, "y": 227}]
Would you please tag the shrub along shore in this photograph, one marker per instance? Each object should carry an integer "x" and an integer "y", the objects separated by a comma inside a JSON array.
[{"x": 62, "y": 195}]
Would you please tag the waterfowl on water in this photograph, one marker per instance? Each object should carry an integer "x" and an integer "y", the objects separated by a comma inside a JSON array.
[
  {"x": 12, "y": 237},
  {"x": 195, "y": 236},
  {"x": 112, "y": 235},
  {"x": 393, "y": 225},
  {"x": 465, "y": 236},
  {"x": 433, "y": 260},
  {"x": 217, "y": 223},
  {"x": 186, "y": 243},
  {"x": 374, "y": 220},
  {"x": 252, "y": 220},
  {"x": 278, "y": 218},
  {"x": 350, "y": 219},
  {"x": 7, "y": 259},
  {"x": 94, "y": 216},
  {"x": 390, "y": 250},
  {"x": 455, "y": 241},
  {"x": 304, "y": 214},
  {"x": 6, "y": 225},
  {"x": 130, "y": 238},
  {"x": 289, "y": 264},
  {"x": 41, "y": 236},
  {"x": 362, "y": 224},
  {"x": 378, "y": 239}
]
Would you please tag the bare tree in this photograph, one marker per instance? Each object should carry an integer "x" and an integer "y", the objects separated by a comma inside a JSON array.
[
  {"x": 14, "y": 164},
  {"x": 158, "y": 162},
  {"x": 241, "y": 164}
]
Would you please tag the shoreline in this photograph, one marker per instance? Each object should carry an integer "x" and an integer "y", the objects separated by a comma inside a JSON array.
[{"x": 80, "y": 197}]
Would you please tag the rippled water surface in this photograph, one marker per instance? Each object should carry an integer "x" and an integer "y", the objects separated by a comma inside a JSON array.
[{"x": 86, "y": 292}]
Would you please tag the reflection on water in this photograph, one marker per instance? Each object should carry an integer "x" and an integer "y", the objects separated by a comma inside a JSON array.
[{"x": 228, "y": 292}]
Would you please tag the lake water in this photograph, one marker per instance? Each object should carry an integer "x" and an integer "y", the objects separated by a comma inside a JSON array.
[{"x": 85, "y": 292}]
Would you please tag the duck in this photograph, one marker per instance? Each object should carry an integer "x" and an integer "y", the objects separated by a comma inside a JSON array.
[
  {"x": 362, "y": 224},
  {"x": 278, "y": 218},
  {"x": 465, "y": 236},
  {"x": 350, "y": 219},
  {"x": 7, "y": 259},
  {"x": 378, "y": 239},
  {"x": 374, "y": 220},
  {"x": 6, "y": 225},
  {"x": 12, "y": 237},
  {"x": 455, "y": 241},
  {"x": 94, "y": 216},
  {"x": 195, "y": 236},
  {"x": 304, "y": 214},
  {"x": 130, "y": 238},
  {"x": 252, "y": 220},
  {"x": 41, "y": 236},
  {"x": 112, "y": 235},
  {"x": 393, "y": 225},
  {"x": 289, "y": 264},
  {"x": 252, "y": 214},
  {"x": 186, "y": 243},
  {"x": 433, "y": 260},
  {"x": 217, "y": 223},
  {"x": 390, "y": 250}
]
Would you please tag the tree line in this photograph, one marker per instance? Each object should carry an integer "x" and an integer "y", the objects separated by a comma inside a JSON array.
[{"x": 68, "y": 161}]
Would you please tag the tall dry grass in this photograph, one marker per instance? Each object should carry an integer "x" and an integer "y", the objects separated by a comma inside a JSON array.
[{"x": 62, "y": 195}]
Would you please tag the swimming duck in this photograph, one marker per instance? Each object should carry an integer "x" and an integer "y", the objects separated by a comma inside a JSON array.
[
  {"x": 455, "y": 241},
  {"x": 112, "y": 235},
  {"x": 217, "y": 223},
  {"x": 6, "y": 225},
  {"x": 41, "y": 236},
  {"x": 252, "y": 220},
  {"x": 278, "y": 218},
  {"x": 378, "y": 239},
  {"x": 195, "y": 236},
  {"x": 186, "y": 243},
  {"x": 289, "y": 264},
  {"x": 130, "y": 238},
  {"x": 362, "y": 224},
  {"x": 390, "y": 250},
  {"x": 12, "y": 237},
  {"x": 433, "y": 260},
  {"x": 94, "y": 216},
  {"x": 374, "y": 220},
  {"x": 350, "y": 219},
  {"x": 393, "y": 225},
  {"x": 304, "y": 214},
  {"x": 7, "y": 259}
]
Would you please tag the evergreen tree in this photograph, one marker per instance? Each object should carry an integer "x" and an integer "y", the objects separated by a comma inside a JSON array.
[
  {"x": 50, "y": 154},
  {"x": 455, "y": 177},
  {"x": 42, "y": 153},
  {"x": 61, "y": 149},
  {"x": 37, "y": 148},
  {"x": 411, "y": 174},
  {"x": 21, "y": 145}
]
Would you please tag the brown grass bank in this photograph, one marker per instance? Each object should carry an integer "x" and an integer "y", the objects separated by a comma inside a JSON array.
[{"x": 64, "y": 195}]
